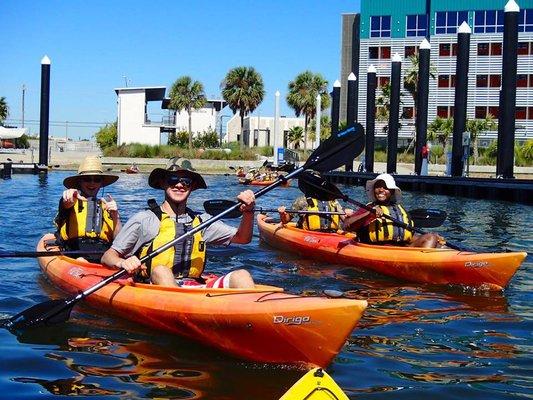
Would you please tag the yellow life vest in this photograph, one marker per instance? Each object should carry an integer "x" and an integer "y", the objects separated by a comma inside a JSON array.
[
  {"x": 383, "y": 230},
  {"x": 316, "y": 222},
  {"x": 185, "y": 258},
  {"x": 86, "y": 219}
]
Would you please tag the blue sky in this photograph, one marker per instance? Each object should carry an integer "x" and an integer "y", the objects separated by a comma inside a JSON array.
[{"x": 93, "y": 44}]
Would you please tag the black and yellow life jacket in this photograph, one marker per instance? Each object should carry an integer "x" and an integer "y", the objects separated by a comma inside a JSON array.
[
  {"x": 185, "y": 258},
  {"x": 383, "y": 230},
  {"x": 86, "y": 219},
  {"x": 316, "y": 222}
]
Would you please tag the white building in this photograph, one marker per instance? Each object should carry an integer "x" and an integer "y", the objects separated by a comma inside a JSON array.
[{"x": 140, "y": 122}]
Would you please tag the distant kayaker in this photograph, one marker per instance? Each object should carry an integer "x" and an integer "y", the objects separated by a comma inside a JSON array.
[
  {"x": 314, "y": 222},
  {"x": 184, "y": 263},
  {"x": 84, "y": 221},
  {"x": 385, "y": 197}
]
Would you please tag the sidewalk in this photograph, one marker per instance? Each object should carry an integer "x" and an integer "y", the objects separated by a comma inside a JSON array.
[{"x": 70, "y": 161}]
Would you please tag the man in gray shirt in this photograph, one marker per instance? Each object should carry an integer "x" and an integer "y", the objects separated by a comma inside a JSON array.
[{"x": 182, "y": 264}]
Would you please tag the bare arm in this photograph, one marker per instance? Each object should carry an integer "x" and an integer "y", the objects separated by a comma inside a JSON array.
[
  {"x": 245, "y": 230},
  {"x": 112, "y": 258}
]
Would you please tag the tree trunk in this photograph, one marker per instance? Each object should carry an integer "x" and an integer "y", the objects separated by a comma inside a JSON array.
[
  {"x": 190, "y": 130},
  {"x": 474, "y": 144}
]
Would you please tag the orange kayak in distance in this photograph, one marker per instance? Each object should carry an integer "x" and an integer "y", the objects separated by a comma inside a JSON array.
[
  {"x": 263, "y": 183},
  {"x": 490, "y": 271},
  {"x": 263, "y": 324}
]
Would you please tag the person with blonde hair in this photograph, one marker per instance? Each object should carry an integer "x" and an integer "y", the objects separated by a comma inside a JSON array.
[{"x": 84, "y": 221}]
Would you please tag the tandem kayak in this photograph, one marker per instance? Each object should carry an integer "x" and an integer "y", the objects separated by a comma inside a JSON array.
[
  {"x": 445, "y": 266},
  {"x": 262, "y": 324},
  {"x": 316, "y": 384}
]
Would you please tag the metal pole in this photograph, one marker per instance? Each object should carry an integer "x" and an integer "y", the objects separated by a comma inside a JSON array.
[
  {"x": 276, "y": 129},
  {"x": 45, "y": 111},
  {"x": 351, "y": 106},
  {"x": 394, "y": 113},
  {"x": 370, "y": 118},
  {"x": 23, "y": 96},
  {"x": 318, "y": 119},
  {"x": 422, "y": 103},
  {"x": 335, "y": 104},
  {"x": 508, "y": 99},
  {"x": 461, "y": 96}
]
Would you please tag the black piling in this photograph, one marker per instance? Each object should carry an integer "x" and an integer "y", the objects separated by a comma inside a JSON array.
[
  {"x": 371, "y": 82},
  {"x": 422, "y": 103},
  {"x": 461, "y": 94},
  {"x": 45, "y": 111},
  {"x": 508, "y": 98},
  {"x": 335, "y": 106},
  {"x": 394, "y": 113},
  {"x": 351, "y": 109}
]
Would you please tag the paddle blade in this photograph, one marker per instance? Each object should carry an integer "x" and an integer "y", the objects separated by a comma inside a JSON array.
[
  {"x": 315, "y": 186},
  {"x": 43, "y": 314},
  {"x": 427, "y": 218},
  {"x": 339, "y": 149},
  {"x": 215, "y": 207}
]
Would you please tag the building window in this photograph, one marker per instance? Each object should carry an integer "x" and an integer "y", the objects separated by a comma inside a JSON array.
[
  {"x": 495, "y": 81},
  {"x": 410, "y": 51},
  {"x": 376, "y": 52},
  {"x": 416, "y": 25},
  {"x": 481, "y": 112},
  {"x": 446, "y": 81},
  {"x": 483, "y": 49},
  {"x": 530, "y": 83},
  {"x": 383, "y": 81},
  {"x": 495, "y": 49},
  {"x": 492, "y": 49},
  {"x": 408, "y": 113},
  {"x": 523, "y": 48},
  {"x": 380, "y": 26},
  {"x": 445, "y": 111},
  {"x": 482, "y": 81},
  {"x": 494, "y": 111},
  {"x": 525, "y": 20},
  {"x": 447, "y": 49},
  {"x": 530, "y": 113},
  {"x": 488, "y": 21},
  {"x": 520, "y": 113},
  {"x": 521, "y": 80},
  {"x": 449, "y": 21}
]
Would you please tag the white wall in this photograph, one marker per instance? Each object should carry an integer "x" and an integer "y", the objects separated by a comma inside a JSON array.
[
  {"x": 202, "y": 121},
  {"x": 131, "y": 114}
]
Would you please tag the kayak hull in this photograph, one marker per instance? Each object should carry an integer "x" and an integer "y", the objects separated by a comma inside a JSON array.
[
  {"x": 491, "y": 271},
  {"x": 263, "y": 183},
  {"x": 262, "y": 324}
]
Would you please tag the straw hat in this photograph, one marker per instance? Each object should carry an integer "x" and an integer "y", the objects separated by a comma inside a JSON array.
[
  {"x": 390, "y": 184},
  {"x": 90, "y": 166},
  {"x": 159, "y": 175}
]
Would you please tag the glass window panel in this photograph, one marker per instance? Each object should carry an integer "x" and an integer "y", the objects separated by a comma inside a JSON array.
[
  {"x": 374, "y": 34},
  {"x": 490, "y": 18},
  {"x": 441, "y": 19},
  {"x": 481, "y": 112},
  {"x": 521, "y": 80},
  {"x": 444, "y": 81},
  {"x": 452, "y": 18},
  {"x": 375, "y": 23},
  {"x": 385, "y": 22},
  {"x": 442, "y": 111},
  {"x": 411, "y": 22},
  {"x": 440, "y": 30},
  {"x": 494, "y": 111},
  {"x": 481, "y": 80},
  {"x": 529, "y": 16},
  {"x": 454, "y": 49},
  {"x": 490, "y": 29},
  {"x": 482, "y": 49},
  {"x": 529, "y": 28},
  {"x": 496, "y": 49},
  {"x": 523, "y": 48},
  {"x": 520, "y": 113},
  {"x": 411, "y": 33},
  {"x": 530, "y": 113},
  {"x": 463, "y": 17},
  {"x": 452, "y": 80},
  {"x": 444, "y": 49},
  {"x": 452, "y": 30},
  {"x": 373, "y": 52},
  {"x": 479, "y": 29},
  {"x": 385, "y": 52},
  {"x": 422, "y": 21},
  {"x": 495, "y": 81},
  {"x": 500, "y": 14},
  {"x": 479, "y": 18},
  {"x": 499, "y": 29}
]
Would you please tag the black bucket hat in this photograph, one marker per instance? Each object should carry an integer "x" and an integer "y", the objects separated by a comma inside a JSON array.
[{"x": 160, "y": 175}]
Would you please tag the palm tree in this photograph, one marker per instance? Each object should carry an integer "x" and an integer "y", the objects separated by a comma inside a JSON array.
[
  {"x": 410, "y": 80},
  {"x": 243, "y": 90},
  {"x": 325, "y": 128},
  {"x": 302, "y": 95},
  {"x": 383, "y": 106},
  {"x": 295, "y": 136},
  {"x": 188, "y": 95},
  {"x": 440, "y": 130},
  {"x": 475, "y": 126},
  {"x": 4, "y": 110}
]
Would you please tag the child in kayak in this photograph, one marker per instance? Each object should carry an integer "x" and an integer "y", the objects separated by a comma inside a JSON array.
[
  {"x": 184, "y": 263},
  {"x": 385, "y": 197},
  {"x": 84, "y": 221}
]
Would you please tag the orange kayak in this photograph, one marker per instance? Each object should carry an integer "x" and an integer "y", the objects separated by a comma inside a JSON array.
[
  {"x": 491, "y": 271},
  {"x": 263, "y": 183},
  {"x": 262, "y": 324}
]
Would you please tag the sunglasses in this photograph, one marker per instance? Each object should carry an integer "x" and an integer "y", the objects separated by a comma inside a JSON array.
[
  {"x": 95, "y": 179},
  {"x": 185, "y": 181}
]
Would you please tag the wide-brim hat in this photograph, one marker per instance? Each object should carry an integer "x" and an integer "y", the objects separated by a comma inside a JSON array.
[
  {"x": 160, "y": 175},
  {"x": 90, "y": 166},
  {"x": 390, "y": 183}
]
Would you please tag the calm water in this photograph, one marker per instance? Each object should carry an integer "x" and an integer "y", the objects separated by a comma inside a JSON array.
[{"x": 413, "y": 340}]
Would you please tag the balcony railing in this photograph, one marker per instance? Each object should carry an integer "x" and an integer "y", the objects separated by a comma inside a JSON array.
[{"x": 163, "y": 121}]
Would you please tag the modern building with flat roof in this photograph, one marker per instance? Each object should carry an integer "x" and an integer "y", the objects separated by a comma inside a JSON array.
[{"x": 386, "y": 27}]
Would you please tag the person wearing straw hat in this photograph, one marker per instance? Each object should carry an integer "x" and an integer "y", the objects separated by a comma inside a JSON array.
[
  {"x": 84, "y": 221},
  {"x": 184, "y": 263},
  {"x": 385, "y": 198}
]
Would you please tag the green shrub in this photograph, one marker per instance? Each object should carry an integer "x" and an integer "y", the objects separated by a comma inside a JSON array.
[{"x": 107, "y": 136}]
